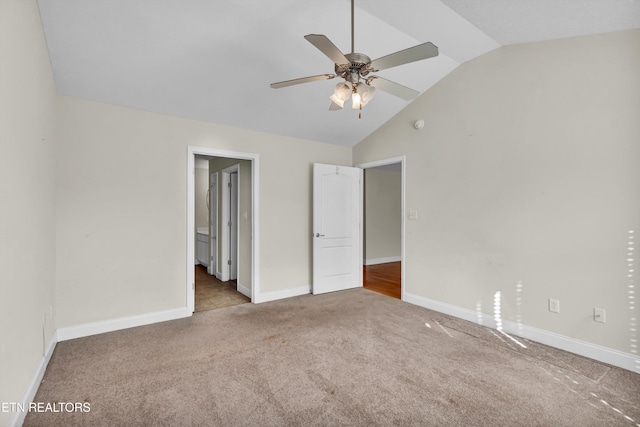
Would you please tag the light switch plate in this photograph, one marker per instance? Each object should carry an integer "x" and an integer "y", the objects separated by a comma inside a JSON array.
[
  {"x": 413, "y": 214},
  {"x": 599, "y": 315}
]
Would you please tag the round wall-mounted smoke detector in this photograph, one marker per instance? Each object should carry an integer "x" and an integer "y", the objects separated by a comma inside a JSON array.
[{"x": 419, "y": 124}]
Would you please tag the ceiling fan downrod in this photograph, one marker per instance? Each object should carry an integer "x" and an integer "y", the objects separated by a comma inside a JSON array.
[{"x": 352, "y": 29}]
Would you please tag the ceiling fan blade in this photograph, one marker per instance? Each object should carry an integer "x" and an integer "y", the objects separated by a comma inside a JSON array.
[
  {"x": 334, "y": 107},
  {"x": 302, "y": 80},
  {"x": 394, "y": 88},
  {"x": 416, "y": 53},
  {"x": 328, "y": 48}
]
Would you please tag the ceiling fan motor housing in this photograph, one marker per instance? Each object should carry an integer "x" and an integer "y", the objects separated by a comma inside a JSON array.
[{"x": 359, "y": 67}]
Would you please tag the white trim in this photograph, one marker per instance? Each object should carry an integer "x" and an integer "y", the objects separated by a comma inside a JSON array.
[
  {"x": 374, "y": 261},
  {"x": 593, "y": 351},
  {"x": 285, "y": 293},
  {"x": 191, "y": 226},
  {"x": 94, "y": 328},
  {"x": 19, "y": 416},
  {"x": 243, "y": 290},
  {"x": 403, "y": 188},
  {"x": 255, "y": 217}
]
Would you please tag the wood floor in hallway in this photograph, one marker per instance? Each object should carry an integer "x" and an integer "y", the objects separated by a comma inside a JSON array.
[{"x": 383, "y": 278}]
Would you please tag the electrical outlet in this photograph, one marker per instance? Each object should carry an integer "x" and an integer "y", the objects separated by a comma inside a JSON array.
[
  {"x": 599, "y": 315},
  {"x": 554, "y": 305}
]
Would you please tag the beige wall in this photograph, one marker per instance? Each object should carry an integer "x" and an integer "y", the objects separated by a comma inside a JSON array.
[
  {"x": 121, "y": 222},
  {"x": 526, "y": 178},
  {"x": 383, "y": 215},
  {"x": 27, "y": 215}
]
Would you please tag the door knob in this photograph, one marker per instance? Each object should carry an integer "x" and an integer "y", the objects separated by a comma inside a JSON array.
[{"x": 319, "y": 235}]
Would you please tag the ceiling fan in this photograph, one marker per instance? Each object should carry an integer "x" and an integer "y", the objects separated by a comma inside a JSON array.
[{"x": 356, "y": 68}]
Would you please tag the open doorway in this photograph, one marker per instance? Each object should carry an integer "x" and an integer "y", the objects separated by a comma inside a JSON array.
[
  {"x": 383, "y": 226},
  {"x": 224, "y": 271},
  {"x": 217, "y": 254}
]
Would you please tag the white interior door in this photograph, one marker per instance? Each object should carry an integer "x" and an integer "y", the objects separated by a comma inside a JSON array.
[
  {"x": 233, "y": 227},
  {"x": 213, "y": 224},
  {"x": 337, "y": 254}
]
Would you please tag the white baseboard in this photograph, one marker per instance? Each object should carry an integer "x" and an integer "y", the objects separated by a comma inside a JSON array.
[
  {"x": 19, "y": 416},
  {"x": 95, "y": 328},
  {"x": 374, "y": 261},
  {"x": 244, "y": 290},
  {"x": 593, "y": 351},
  {"x": 285, "y": 293}
]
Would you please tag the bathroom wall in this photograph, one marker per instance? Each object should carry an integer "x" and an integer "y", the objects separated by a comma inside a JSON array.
[{"x": 201, "y": 187}]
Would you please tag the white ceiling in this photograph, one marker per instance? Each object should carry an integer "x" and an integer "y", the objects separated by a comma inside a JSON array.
[{"x": 213, "y": 60}]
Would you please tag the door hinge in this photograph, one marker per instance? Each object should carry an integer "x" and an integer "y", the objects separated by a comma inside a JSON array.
[
  {"x": 229, "y": 262},
  {"x": 229, "y": 184},
  {"x": 229, "y": 224}
]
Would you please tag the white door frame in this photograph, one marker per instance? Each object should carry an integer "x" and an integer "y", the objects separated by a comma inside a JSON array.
[
  {"x": 191, "y": 209},
  {"x": 225, "y": 236},
  {"x": 383, "y": 162},
  {"x": 213, "y": 225}
]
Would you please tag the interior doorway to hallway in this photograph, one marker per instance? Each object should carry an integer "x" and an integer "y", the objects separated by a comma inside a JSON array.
[
  {"x": 218, "y": 233},
  {"x": 222, "y": 228},
  {"x": 383, "y": 226}
]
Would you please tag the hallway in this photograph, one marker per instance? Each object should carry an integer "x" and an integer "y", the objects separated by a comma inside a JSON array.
[
  {"x": 211, "y": 293},
  {"x": 383, "y": 278}
]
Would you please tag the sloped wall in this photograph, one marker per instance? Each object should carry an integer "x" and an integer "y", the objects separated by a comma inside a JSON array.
[{"x": 526, "y": 177}]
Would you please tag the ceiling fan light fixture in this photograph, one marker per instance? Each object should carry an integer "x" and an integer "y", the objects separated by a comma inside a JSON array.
[
  {"x": 356, "y": 68},
  {"x": 368, "y": 94},
  {"x": 342, "y": 91},
  {"x": 356, "y": 101},
  {"x": 336, "y": 100}
]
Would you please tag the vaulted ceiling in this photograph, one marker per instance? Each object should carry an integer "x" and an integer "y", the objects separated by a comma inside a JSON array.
[{"x": 213, "y": 60}]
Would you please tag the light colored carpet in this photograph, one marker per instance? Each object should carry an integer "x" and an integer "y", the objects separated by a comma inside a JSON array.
[{"x": 348, "y": 358}]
